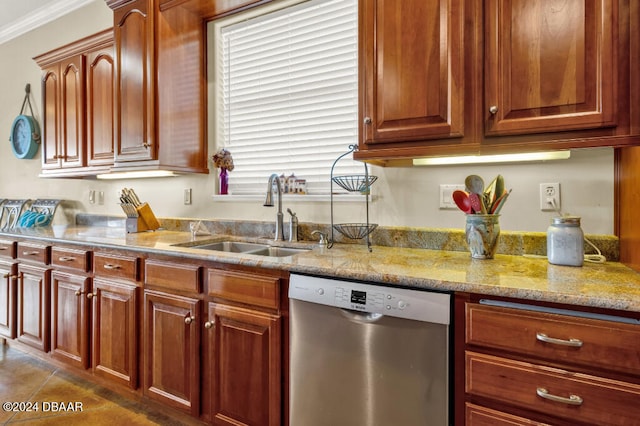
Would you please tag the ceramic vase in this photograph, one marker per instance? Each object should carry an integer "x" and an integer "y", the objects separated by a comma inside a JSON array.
[{"x": 482, "y": 232}]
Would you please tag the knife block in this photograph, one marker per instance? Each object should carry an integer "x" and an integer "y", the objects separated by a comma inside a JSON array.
[{"x": 145, "y": 221}]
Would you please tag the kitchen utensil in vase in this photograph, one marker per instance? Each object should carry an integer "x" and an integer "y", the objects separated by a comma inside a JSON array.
[
  {"x": 477, "y": 203},
  {"x": 461, "y": 199}
]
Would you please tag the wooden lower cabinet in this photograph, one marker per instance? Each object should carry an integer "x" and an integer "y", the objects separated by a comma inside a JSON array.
[
  {"x": 172, "y": 350},
  {"x": 70, "y": 318},
  {"x": 528, "y": 365},
  {"x": 7, "y": 300},
  {"x": 246, "y": 374},
  {"x": 34, "y": 301},
  {"x": 114, "y": 336}
]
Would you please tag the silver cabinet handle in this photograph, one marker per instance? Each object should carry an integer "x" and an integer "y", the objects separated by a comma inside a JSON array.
[
  {"x": 66, "y": 259},
  {"x": 209, "y": 324},
  {"x": 367, "y": 120},
  {"x": 572, "y": 400},
  {"x": 4, "y": 248},
  {"x": 189, "y": 320},
  {"x": 576, "y": 343},
  {"x": 30, "y": 253},
  {"x": 493, "y": 110},
  {"x": 110, "y": 266}
]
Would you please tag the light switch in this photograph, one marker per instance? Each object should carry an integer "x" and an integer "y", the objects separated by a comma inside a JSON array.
[{"x": 446, "y": 196}]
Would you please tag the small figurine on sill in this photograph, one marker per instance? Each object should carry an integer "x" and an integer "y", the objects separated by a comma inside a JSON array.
[{"x": 223, "y": 161}]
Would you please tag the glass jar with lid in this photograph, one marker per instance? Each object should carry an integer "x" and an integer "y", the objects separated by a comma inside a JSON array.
[{"x": 565, "y": 241}]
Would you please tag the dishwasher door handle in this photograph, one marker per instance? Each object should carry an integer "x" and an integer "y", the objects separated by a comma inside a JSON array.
[{"x": 361, "y": 317}]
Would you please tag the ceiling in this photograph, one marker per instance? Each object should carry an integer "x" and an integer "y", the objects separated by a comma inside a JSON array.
[{"x": 20, "y": 16}]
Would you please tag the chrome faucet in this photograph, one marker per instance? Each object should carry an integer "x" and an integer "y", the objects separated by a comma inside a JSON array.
[{"x": 269, "y": 203}]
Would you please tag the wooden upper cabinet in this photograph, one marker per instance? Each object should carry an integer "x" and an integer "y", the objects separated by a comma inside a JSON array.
[
  {"x": 550, "y": 65},
  {"x": 411, "y": 70},
  {"x": 63, "y": 97},
  {"x": 451, "y": 77},
  {"x": 77, "y": 97},
  {"x": 134, "y": 83},
  {"x": 100, "y": 106},
  {"x": 160, "y": 86}
]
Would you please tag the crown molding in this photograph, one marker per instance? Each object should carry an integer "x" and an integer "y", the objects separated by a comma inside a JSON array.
[{"x": 50, "y": 12}]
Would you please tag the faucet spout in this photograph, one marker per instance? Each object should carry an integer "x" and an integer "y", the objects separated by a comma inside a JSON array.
[{"x": 268, "y": 202}]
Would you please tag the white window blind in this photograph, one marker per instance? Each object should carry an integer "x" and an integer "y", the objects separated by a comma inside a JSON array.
[{"x": 288, "y": 94}]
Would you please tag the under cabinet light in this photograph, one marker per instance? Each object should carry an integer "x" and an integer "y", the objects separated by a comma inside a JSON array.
[
  {"x": 137, "y": 174},
  {"x": 499, "y": 158}
]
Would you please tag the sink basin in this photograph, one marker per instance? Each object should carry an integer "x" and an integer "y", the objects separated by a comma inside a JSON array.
[{"x": 247, "y": 248}]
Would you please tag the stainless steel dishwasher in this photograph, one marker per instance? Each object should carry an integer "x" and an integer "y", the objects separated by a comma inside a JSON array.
[{"x": 367, "y": 355}]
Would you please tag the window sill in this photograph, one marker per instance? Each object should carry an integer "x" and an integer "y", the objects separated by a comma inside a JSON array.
[{"x": 290, "y": 198}]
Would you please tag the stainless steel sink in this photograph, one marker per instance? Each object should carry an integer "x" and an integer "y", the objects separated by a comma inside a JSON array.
[{"x": 246, "y": 248}]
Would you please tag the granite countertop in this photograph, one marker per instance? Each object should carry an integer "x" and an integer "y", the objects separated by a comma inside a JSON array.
[{"x": 609, "y": 285}]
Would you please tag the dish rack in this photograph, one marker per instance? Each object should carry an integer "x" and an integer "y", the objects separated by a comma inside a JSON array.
[{"x": 353, "y": 183}]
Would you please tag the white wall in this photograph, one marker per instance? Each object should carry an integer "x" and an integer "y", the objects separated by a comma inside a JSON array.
[{"x": 403, "y": 197}]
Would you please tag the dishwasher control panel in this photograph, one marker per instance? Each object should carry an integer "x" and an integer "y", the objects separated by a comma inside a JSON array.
[{"x": 397, "y": 302}]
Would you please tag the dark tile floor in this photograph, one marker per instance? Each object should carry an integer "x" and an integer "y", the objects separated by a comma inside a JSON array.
[{"x": 24, "y": 378}]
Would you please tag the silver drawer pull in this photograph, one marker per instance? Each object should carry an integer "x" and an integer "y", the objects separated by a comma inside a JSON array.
[
  {"x": 576, "y": 343},
  {"x": 30, "y": 253},
  {"x": 4, "y": 248},
  {"x": 110, "y": 266},
  {"x": 66, "y": 259},
  {"x": 572, "y": 400}
]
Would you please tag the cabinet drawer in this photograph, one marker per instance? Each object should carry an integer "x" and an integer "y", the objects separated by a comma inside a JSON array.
[
  {"x": 173, "y": 275},
  {"x": 71, "y": 258},
  {"x": 7, "y": 249},
  {"x": 243, "y": 287},
  {"x": 476, "y": 415},
  {"x": 113, "y": 266},
  {"x": 34, "y": 252},
  {"x": 547, "y": 390},
  {"x": 596, "y": 343}
]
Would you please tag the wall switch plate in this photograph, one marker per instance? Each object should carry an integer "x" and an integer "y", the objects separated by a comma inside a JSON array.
[
  {"x": 446, "y": 196},
  {"x": 550, "y": 197},
  {"x": 187, "y": 196},
  {"x": 101, "y": 198},
  {"x": 92, "y": 196}
]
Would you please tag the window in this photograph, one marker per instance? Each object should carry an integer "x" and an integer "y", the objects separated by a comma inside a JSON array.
[{"x": 287, "y": 93}]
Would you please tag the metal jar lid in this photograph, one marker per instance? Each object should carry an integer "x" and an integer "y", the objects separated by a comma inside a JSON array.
[{"x": 567, "y": 220}]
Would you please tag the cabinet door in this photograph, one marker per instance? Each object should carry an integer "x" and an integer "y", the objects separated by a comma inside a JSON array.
[
  {"x": 134, "y": 82},
  {"x": 115, "y": 332},
  {"x": 72, "y": 112},
  {"x": 7, "y": 301},
  {"x": 246, "y": 372},
  {"x": 34, "y": 301},
  {"x": 100, "y": 107},
  {"x": 550, "y": 66},
  {"x": 171, "y": 350},
  {"x": 51, "y": 105},
  {"x": 411, "y": 70},
  {"x": 70, "y": 318}
]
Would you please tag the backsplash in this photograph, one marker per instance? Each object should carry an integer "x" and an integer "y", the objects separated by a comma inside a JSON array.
[{"x": 511, "y": 242}]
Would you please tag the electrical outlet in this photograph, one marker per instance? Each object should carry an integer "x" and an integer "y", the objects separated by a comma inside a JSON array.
[
  {"x": 187, "y": 196},
  {"x": 446, "y": 196},
  {"x": 550, "y": 197}
]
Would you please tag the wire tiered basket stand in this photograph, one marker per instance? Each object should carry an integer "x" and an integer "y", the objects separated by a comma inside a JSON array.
[{"x": 353, "y": 183}]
